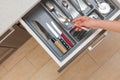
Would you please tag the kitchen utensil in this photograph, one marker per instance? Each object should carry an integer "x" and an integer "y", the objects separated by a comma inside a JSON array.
[
  {"x": 58, "y": 36},
  {"x": 47, "y": 36},
  {"x": 82, "y": 5},
  {"x": 62, "y": 34},
  {"x": 40, "y": 29},
  {"x": 71, "y": 11},
  {"x": 57, "y": 14},
  {"x": 81, "y": 34},
  {"x": 94, "y": 16},
  {"x": 103, "y": 7}
]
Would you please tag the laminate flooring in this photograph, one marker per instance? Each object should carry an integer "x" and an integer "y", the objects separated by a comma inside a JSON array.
[{"x": 31, "y": 62}]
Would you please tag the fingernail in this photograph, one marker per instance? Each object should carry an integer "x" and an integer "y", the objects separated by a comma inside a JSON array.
[
  {"x": 80, "y": 29},
  {"x": 76, "y": 29}
]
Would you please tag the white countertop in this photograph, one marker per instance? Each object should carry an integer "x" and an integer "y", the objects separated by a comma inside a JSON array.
[{"x": 12, "y": 10}]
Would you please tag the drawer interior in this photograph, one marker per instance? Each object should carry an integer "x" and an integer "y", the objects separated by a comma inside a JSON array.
[{"x": 56, "y": 13}]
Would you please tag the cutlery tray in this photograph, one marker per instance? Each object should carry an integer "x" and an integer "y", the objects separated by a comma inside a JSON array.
[{"x": 59, "y": 14}]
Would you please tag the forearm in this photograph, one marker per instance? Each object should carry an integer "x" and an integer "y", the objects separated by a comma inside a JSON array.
[{"x": 108, "y": 25}]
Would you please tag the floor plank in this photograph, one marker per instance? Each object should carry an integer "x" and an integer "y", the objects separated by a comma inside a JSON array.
[
  {"x": 3, "y": 71},
  {"x": 38, "y": 57},
  {"x": 80, "y": 70},
  {"x": 109, "y": 71},
  {"x": 31, "y": 62},
  {"x": 106, "y": 49},
  {"x": 20, "y": 53},
  {"x": 47, "y": 72},
  {"x": 22, "y": 71}
]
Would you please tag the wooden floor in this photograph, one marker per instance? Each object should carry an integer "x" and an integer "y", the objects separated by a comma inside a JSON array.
[{"x": 31, "y": 62}]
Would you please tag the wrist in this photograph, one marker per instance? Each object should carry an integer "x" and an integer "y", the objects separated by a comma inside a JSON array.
[{"x": 99, "y": 24}]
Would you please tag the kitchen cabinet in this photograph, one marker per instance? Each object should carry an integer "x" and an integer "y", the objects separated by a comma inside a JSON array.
[
  {"x": 56, "y": 13},
  {"x": 12, "y": 40}
]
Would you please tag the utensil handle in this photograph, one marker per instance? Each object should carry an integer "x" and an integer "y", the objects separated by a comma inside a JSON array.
[
  {"x": 90, "y": 48},
  {"x": 60, "y": 47},
  {"x": 6, "y": 36},
  {"x": 67, "y": 40}
]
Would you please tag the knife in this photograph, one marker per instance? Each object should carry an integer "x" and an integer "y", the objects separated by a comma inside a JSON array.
[
  {"x": 62, "y": 34},
  {"x": 58, "y": 36},
  {"x": 47, "y": 36},
  {"x": 41, "y": 30}
]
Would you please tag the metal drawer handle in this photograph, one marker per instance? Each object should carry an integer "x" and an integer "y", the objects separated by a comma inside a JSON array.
[
  {"x": 11, "y": 31},
  {"x": 90, "y": 48}
]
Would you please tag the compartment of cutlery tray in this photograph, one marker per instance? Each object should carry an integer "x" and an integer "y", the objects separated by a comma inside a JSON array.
[
  {"x": 44, "y": 26},
  {"x": 57, "y": 14},
  {"x": 68, "y": 9},
  {"x": 82, "y": 6},
  {"x": 105, "y": 7}
]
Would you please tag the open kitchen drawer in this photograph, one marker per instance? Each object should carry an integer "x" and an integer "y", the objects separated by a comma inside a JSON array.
[{"x": 49, "y": 22}]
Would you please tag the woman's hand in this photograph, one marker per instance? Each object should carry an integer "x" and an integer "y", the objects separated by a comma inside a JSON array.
[
  {"x": 84, "y": 21},
  {"x": 88, "y": 22}
]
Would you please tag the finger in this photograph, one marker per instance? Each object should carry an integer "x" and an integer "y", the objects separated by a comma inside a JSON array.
[
  {"x": 78, "y": 24},
  {"x": 73, "y": 26},
  {"x": 79, "y": 18},
  {"x": 83, "y": 18},
  {"x": 80, "y": 29},
  {"x": 77, "y": 29}
]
